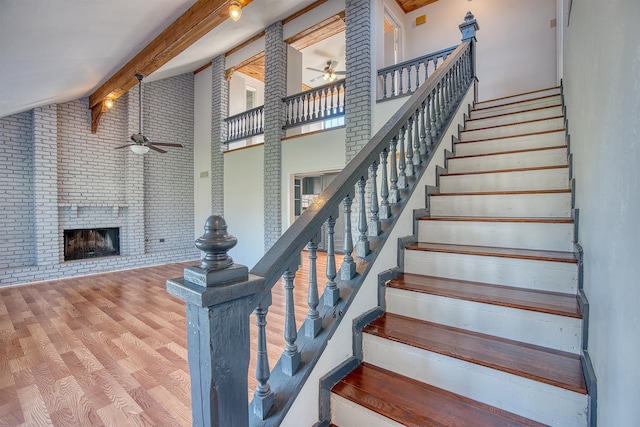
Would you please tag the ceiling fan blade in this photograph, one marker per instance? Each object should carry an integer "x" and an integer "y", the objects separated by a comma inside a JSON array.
[
  {"x": 315, "y": 69},
  {"x": 159, "y": 150},
  {"x": 123, "y": 146},
  {"x": 166, "y": 144},
  {"x": 315, "y": 79},
  {"x": 333, "y": 64},
  {"x": 342, "y": 73}
]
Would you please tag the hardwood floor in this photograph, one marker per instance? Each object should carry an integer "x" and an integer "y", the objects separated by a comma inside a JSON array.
[{"x": 109, "y": 349}]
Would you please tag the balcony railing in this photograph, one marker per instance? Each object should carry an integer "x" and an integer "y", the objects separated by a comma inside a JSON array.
[
  {"x": 246, "y": 124},
  {"x": 404, "y": 78},
  {"x": 320, "y": 103}
]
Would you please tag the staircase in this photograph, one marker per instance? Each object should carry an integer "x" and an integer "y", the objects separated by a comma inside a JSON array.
[{"x": 484, "y": 326}]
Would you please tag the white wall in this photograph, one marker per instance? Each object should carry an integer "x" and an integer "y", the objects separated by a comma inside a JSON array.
[
  {"x": 602, "y": 88},
  {"x": 202, "y": 150},
  {"x": 516, "y": 44},
  {"x": 244, "y": 202},
  {"x": 319, "y": 152}
]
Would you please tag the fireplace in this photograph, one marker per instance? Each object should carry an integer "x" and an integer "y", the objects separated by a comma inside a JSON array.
[{"x": 91, "y": 243}]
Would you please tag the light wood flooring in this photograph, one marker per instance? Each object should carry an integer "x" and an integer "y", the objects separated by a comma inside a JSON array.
[{"x": 110, "y": 349}]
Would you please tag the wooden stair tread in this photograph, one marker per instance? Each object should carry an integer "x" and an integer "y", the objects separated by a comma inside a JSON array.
[
  {"x": 497, "y": 219},
  {"x": 537, "y": 168},
  {"x": 498, "y": 153},
  {"x": 479, "y": 107},
  {"x": 498, "y": 193},
  {"x": 506, "y": 296},
  {"x": 524, "y": 122},
  {"x": 556, "y": 256},
  {"x": 412, "y": 403},
  {"x": 554, "y": 367},
  {"x": 512, "y": 136},
  {"x": 528, "y": 110}
]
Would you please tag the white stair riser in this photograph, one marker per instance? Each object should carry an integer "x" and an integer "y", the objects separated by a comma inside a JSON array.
[
  {"x": 511, "y": 130},
  {"x": 532, "y": 399},
  {"x": 542, "y": 179},
  {"x": 517, "y": 117},
  {"x": 540, "y": 205},
  {"x": 547, "y": 330},
  {"x": 523, "y": 273},
  {"x": 520, "y": 235},
  {"x": 527, "y": 159},
  {"x": 526, "y": 97},
  {"x": 346, "y": 413},
  {"x": 481, "y": 113},
  {"x": 550, "y": 139}
]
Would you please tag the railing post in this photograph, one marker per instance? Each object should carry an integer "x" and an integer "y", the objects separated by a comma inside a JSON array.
[
  {"x": 468, "y": 29},
  {"x": 217, "y": 293}
]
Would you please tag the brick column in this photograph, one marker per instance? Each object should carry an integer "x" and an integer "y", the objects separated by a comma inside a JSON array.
[
  {"x": 134, "y": 182},
  {"x": 359, "y": 63},
  {"x": 219, "y": 112},
  {"x": 49, "y": 239},
  {"x": 275, "y": 88}
]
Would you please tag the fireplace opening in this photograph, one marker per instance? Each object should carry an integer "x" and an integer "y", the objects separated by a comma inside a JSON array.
[{"x": 91, "y": 243}]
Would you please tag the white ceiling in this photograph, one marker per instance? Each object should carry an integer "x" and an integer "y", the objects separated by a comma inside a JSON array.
[{"x": 62, "y": 50}]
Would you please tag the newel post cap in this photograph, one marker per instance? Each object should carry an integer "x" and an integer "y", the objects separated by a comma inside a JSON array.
[{"x": 469, "y": 27}]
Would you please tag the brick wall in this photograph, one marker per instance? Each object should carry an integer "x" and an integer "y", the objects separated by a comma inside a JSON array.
[
  {"x": 275, "y": 88},
  {"x": 219, "y": 112},
  {"x": 168, "y": 178},
  {"x": 17, "y": 246},
  {"x": 63, "y": 176}
]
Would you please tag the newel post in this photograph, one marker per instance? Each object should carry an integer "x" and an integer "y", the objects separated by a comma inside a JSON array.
[
  {"x": 217, "y": 294},
  {"x": 468, "y": 29}
]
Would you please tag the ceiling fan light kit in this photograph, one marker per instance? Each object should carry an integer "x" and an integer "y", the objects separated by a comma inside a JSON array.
[
  {"x": 139, "y": 149},
  {"x": 235, "y": 10}
]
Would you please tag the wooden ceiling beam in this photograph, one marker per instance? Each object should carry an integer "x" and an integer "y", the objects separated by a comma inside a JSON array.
[{"x": 197, "y": 21}]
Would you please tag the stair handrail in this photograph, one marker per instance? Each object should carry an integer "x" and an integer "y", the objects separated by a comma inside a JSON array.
[{"x": 274, "y": 262}]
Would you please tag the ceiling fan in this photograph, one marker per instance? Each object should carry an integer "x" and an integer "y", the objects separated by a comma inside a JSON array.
[
  {"x": 329, "y": 72},
  {"x": 142, "y": 144}
]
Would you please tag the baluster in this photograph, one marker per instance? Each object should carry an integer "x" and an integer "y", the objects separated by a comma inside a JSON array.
[
  {"x": 400, "y": 78},
  {"x": 333, "y": 106},
  {"x": 384, "y": 86},
  {"x": 443, "y": 114},
  {"x": 348, "y": 267},
  {"x": 291, "y": 355},
  {"x": 417, "y": 75},
  {"x": 331, "y": 291},
  {"x": 394, "y": 193},
  {"x": 374, "y": 221},
  {"x": 409, "y": 79},
  {"x": 434, "y": 124},
  {"x": 426, "y": 124},
  {"x": 287, "y": 108},
  {"x": 262, "y": 120},
  {"x": 423, "y": 131},
  {"x": 409, "y": 162},
  {"x": 451, "y": 89},
  {"x": 325, "y": 95},
  {"x": 312, "y": 323},
  {"x": 402, "y": 178},
  {"x": 426, "y": 70},
  {"x": 307, "y": 99},
  {"x": 315, "y": 105},
  {"x": 439, "y": 107},
  {"x": 445, "y": 97},
  {"x": 385, "y": 209},
  {"x": 362, "y": 247},
  {"x": 263, "y": 396},
  {"x": 393, "y": 82},
  {"x": 416, "y": 141}
]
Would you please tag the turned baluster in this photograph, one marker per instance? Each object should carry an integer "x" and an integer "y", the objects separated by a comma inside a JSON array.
[
  {"x": 263, "y": 396},
  {"x": 409, "y": 161},
  {"x": 416, "y": 140},
  {"x": 362, "y": 247},
  {"x": 348, "y": 267},
  {"x": 384, "y": 86},
  {"x": 423, "y": 131},
  {"x": 434, "y": 123},
  {"x": 394, "y": 193},
  {"x": 438, "y": 107},
  {"x": 385, "y": 209},
  {"x": 331, "y": 291},
  {"x": 312, "y": 323},
  {"x": 393, "y": 82},
  {"x": 291, "y": 356},
  {"x": 409, "y": 78},
  {"x": 402, "y": 178},
  {"x": 426, "y": 117},
  {"x": 400, "y": 78},
  {"x": 374, "y": 221}
]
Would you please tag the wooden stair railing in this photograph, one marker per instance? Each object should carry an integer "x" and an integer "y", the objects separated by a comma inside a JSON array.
[{"x": 221, "y": 295}]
